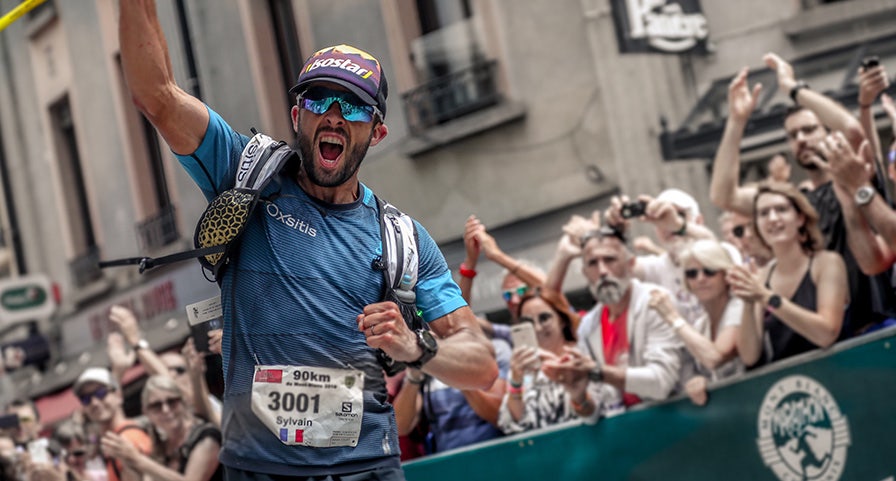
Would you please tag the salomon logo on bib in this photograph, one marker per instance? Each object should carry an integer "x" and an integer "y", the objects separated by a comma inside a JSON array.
[{"x": 289, "y": 221}]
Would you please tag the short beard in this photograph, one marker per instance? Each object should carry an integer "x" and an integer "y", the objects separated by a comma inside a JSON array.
[
  {"x": 610, "y": 290},
  {"x": 350, "y": 166}
]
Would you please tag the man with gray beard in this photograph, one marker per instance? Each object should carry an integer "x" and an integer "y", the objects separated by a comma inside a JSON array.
[{"x": 622, "y": 342}]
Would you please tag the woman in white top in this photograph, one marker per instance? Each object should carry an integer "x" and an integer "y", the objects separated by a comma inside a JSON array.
[{"x": 712, "y": 338}]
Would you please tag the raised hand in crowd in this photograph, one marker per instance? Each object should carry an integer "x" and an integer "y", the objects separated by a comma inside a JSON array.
[
  {"x": 873, "y": 81},
  {"x": 121, "y": 356},
  {"x": 853, "y": 172},
  {"x": 196, "y": 367},
  {"x": 569, "y": 247},
  {"x": 724, "y": 190},
  {"x": 126, "y": 322},
  {"x": 472, "y": 227}
]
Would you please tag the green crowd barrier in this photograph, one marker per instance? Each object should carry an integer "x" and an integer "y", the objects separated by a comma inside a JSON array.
[{"x": 826, "y": 415}]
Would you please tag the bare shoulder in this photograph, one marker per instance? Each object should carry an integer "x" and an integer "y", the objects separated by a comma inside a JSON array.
[{"x": 827, "y": 262}]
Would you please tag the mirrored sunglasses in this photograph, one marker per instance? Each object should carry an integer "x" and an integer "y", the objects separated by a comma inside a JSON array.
[
  {"x": 520, "y": 291},
  {"x": 692, "y": 273},
  {"x": 100, "y": 394},
  {"x": 157, "y": 406},
  {"x": 319, "y": 100}
]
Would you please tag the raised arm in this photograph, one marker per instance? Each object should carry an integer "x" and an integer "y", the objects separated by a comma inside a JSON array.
[
  {"x": 852, "y": 172},
  {"x": 471, "y": 246},
  {"x": 829, "y": 112},
  {"x": 724, "y": 189},
  {"x": 181, "y": 118}
]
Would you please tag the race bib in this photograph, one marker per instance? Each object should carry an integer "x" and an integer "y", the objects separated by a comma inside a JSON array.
[{"x": 310, "y": 406}]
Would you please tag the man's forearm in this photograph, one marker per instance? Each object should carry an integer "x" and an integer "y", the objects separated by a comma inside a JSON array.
[
  {"x": 832, "y": 115},
  {"x": 724, "y": 185},
  {"x": 868, "y": 252},
  {"x": 466, "y": 360}
]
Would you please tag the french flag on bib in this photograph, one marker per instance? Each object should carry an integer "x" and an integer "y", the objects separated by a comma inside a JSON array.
[{"x": 299, "y": 435}]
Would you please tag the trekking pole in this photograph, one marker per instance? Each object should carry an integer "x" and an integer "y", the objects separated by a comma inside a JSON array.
[{"x": 17, "y": 12}]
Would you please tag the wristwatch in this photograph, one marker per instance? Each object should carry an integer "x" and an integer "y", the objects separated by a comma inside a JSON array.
[
  {"x": 596, "y": 374},
  {"x": 141, "y": 344},
  {"x": 796, "y": 89},
  {"x": 774, "y": 302},
  {"x": 428, "y": 344},
  {"x": 864, "y": 195}
]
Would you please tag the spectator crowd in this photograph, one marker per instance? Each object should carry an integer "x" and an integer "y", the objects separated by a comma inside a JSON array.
[{"x": 793, "y": 268}]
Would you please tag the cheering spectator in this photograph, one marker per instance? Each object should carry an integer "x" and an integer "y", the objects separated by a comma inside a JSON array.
[
  {"x": 629, "y": 347},
  {"x": 712, "y": 339},
  {"x": 796, "y": 303},
  {"x": 102, "y": 401},
  {"x": 677, "y": 222},
  {"x": 189, "y": 449},
  {"x": 190, "y": 376},
  {"x": 806, "y": 125},
  {"x": 542, "y": 402}
]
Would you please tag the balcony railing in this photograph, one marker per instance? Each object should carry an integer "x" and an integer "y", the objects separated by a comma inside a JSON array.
[
  {"x": 85, "y": 268},
  {"x": 158, "y": 231},
  {"x": 452, "y": 96}
]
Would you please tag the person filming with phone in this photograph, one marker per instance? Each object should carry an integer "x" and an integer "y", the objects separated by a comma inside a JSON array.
[{"x": 545, "y": 329}]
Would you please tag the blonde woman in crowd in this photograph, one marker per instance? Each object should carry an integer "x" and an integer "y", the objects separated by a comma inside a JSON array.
[
  {"x": 712, "y": 339},
  {"x": 186, "y": 448}
]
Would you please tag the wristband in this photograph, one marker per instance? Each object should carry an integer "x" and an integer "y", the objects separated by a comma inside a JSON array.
[
  {"x": 411, "y": 380},
  {"x": 466, "y": 271},
  {"x": 516, "y": 384},
  {"x": 515, "y": 390}
]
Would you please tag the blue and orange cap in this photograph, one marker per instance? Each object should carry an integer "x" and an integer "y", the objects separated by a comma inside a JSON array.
[{"x": 349, "y": 67}]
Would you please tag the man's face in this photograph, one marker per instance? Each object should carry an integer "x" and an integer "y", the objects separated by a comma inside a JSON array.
[
  {"x": 779, "y": 168},
  {"x": 330, "y": 146},
  {"x": 608, "y": 267},
  {"x": 512, "y": 291},
  {"x": 29, "y": 428},
  {"x": 101, "y": 401},
  {"x": 804, "y": 132}
]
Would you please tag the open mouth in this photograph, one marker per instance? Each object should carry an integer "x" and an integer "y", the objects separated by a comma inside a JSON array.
[{"x": 330, "y": 148}]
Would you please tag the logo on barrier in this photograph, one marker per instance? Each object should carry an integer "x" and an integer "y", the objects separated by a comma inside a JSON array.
[{"x": 802, "y": 433}]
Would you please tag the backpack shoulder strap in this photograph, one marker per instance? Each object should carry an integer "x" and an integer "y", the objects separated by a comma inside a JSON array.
[
  {"x": 400, "y": 255},
  {"x": 261, "y": 159}
]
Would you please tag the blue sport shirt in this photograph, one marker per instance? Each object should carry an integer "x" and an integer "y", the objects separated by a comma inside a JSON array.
[{"x": 302, "y": 274}]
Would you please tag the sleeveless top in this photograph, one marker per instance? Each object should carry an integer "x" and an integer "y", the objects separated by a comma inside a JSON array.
[{"x": 780, "y": 341}]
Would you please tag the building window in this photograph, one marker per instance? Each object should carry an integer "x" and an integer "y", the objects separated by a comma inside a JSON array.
[
  {"x": 83, "y": 267},
  {"x": 455, "y": 77},
  {"x": 158, "y": 227},
  {"x": 287, "y": 41}
]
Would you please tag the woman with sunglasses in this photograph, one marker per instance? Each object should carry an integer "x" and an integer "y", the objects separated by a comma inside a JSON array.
[
  {"x": 712, "y": 338},
  {"x": 542, "y": 402},
  {"x": 185, "y": 448},
  {"x": 797, "y": 302}
]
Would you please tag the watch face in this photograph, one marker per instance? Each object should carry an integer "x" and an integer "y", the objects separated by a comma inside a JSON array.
[
  {"x": 864, "y": 195},
  {"x": 774, "y": 301},
  {"x": 427, "y": 341}
]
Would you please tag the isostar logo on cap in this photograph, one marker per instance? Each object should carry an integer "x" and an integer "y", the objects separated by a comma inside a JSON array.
[{"x": 347, "y": 63}]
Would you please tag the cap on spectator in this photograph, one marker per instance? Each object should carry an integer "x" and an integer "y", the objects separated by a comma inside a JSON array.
[
  {"x": 99, "y": 375},
  {"x": 349, "y": 67},
  {"x": 682, "y": 200}
]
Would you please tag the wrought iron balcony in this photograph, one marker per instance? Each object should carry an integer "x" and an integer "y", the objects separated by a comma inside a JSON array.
[
  {"x": 451, "y": 96},
  {"x": 158, "y": 231},
  {"x": 85, "y": 268}
]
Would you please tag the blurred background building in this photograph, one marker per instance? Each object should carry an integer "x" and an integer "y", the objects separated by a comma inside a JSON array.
[{"x": 523, "y": 112}]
